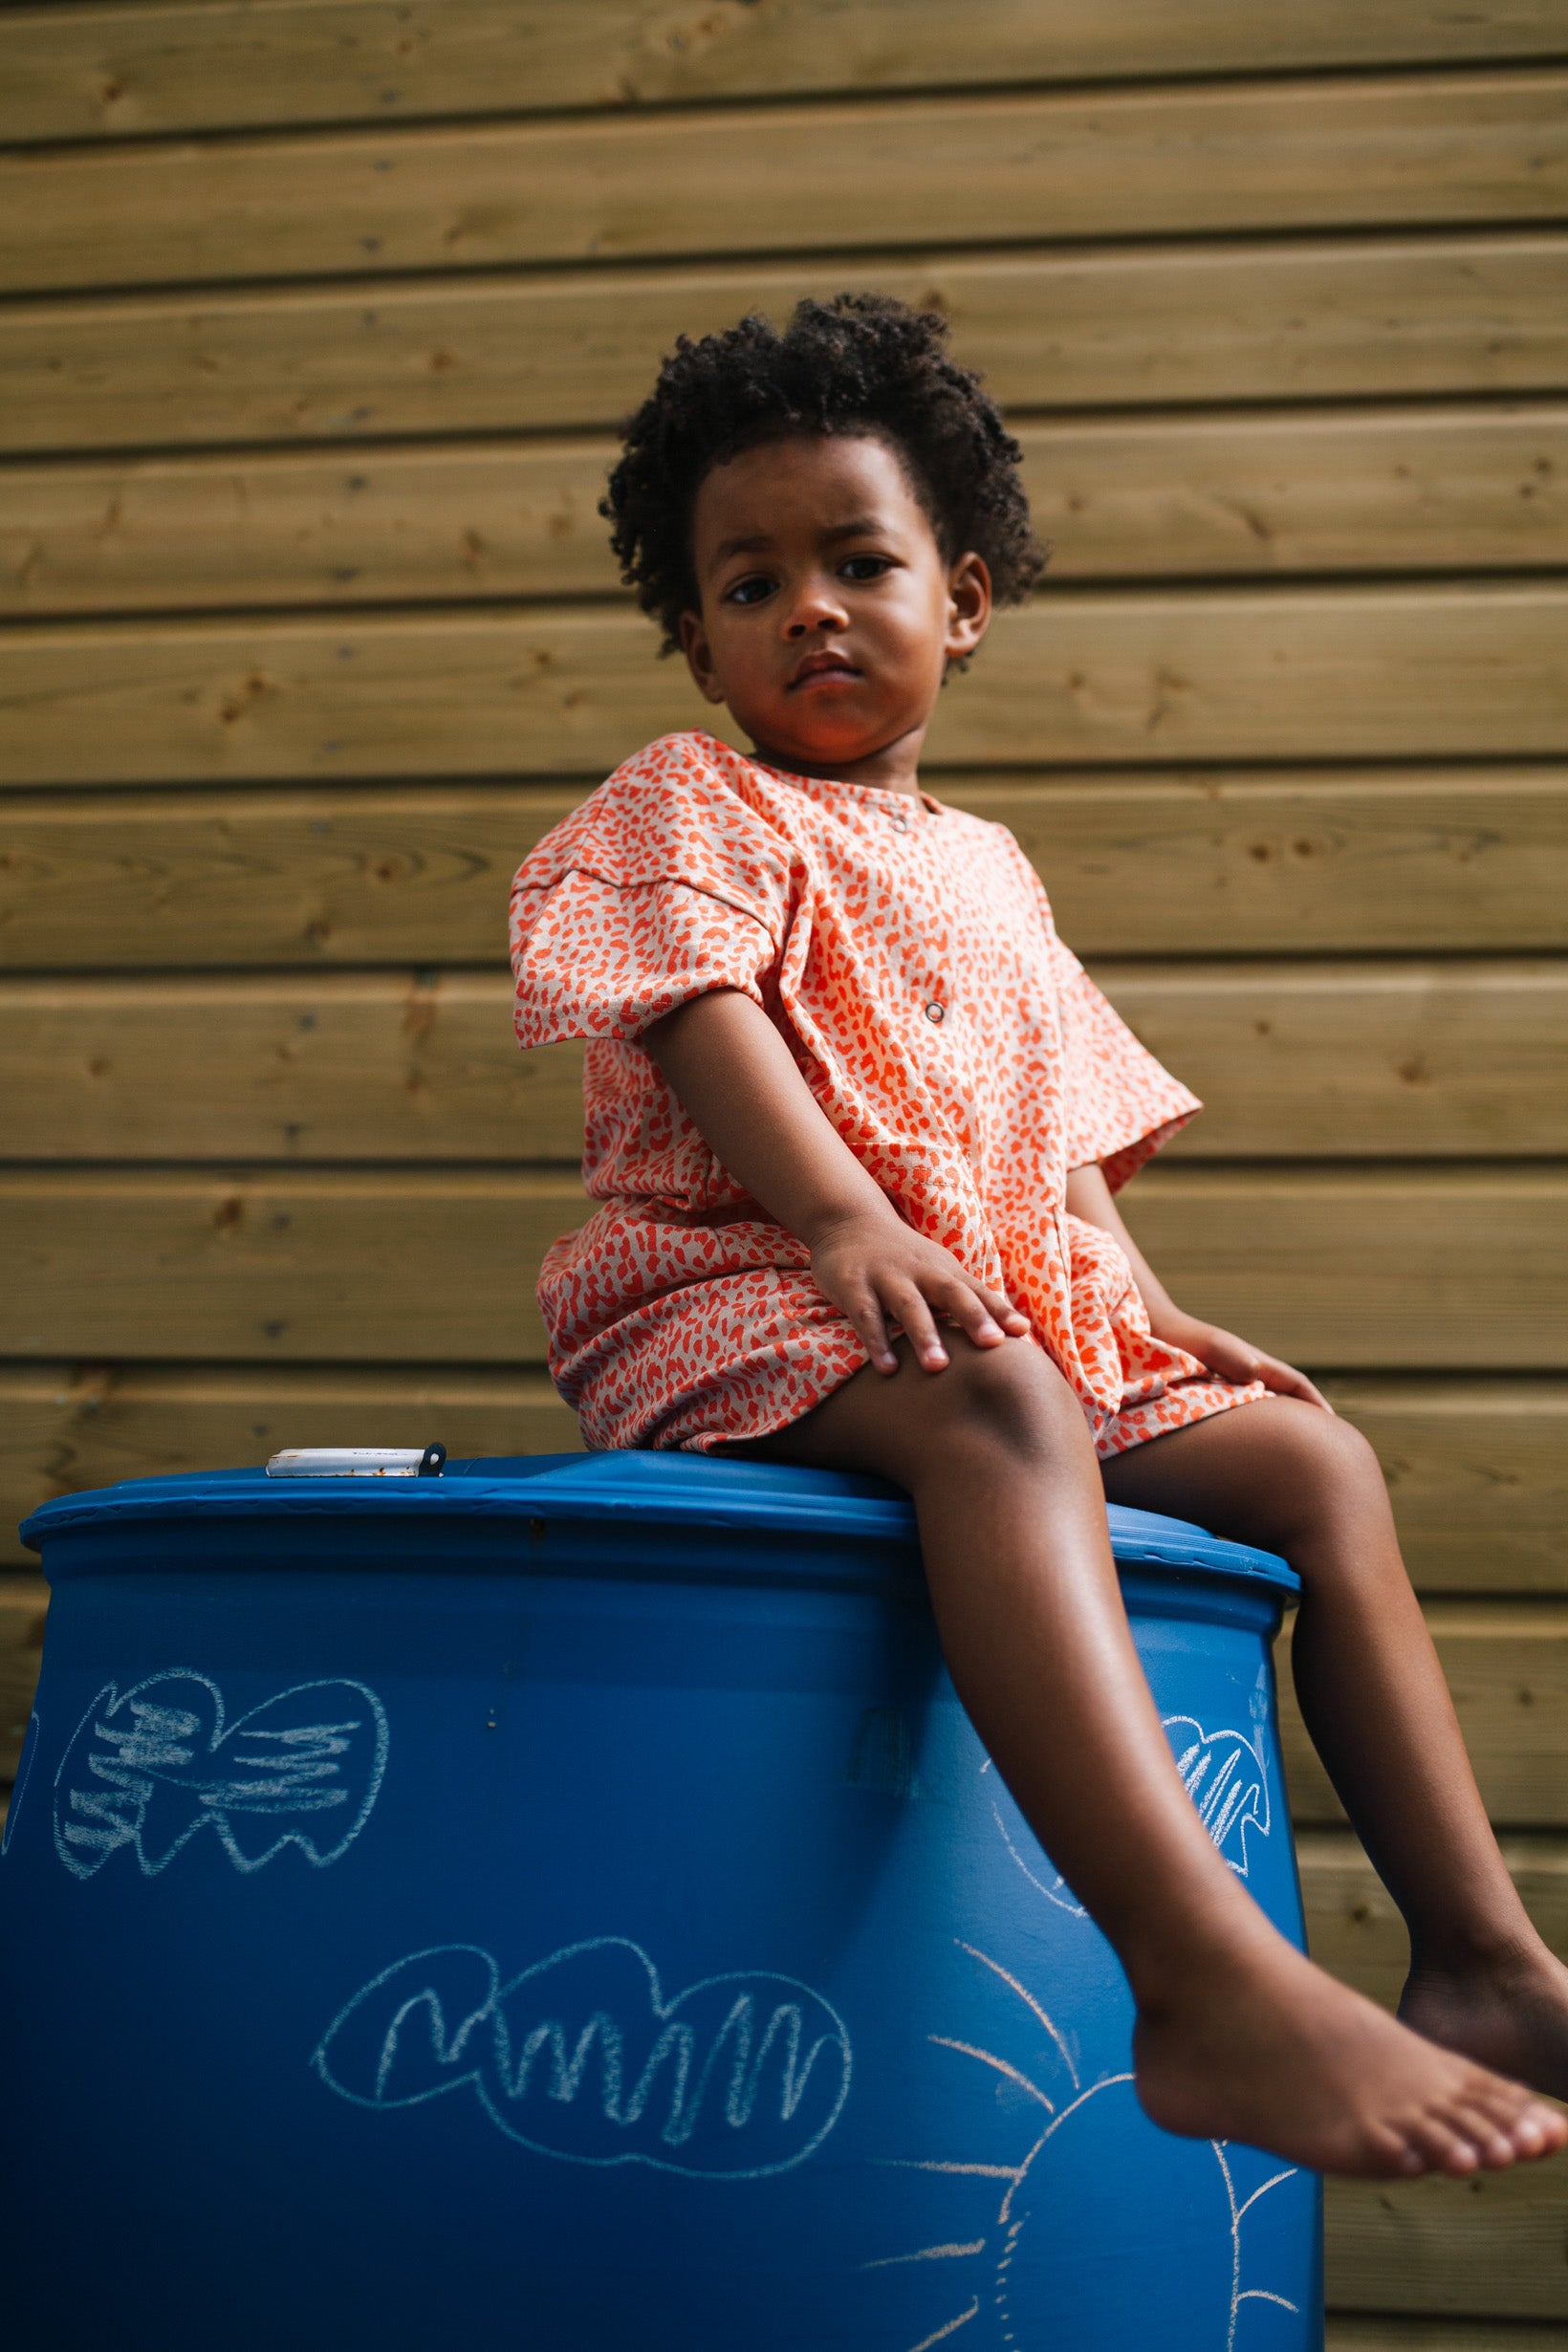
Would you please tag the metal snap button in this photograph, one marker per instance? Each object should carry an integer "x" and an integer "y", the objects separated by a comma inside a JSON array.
[
  {"x": 936, "y": 1013},
  {"x": 900, "y": 824}
]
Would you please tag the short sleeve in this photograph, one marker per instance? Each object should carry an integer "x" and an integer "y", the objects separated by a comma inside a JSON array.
[
  {"x": 665, "y": 884},
  {"x": 1121, "y": 1105}
]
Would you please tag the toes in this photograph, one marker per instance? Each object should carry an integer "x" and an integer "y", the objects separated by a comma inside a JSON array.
[{"x": 1442, "y": 2145}]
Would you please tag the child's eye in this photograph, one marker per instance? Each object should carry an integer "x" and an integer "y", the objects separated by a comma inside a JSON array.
[
  {"x": 751, "y": 590},
  {"x": 865, "y": 567}
]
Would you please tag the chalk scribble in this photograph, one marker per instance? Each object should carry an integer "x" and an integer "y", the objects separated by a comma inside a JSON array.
[
  {"x": 151, "y": 1767},
  {"x": 582, "y": 2057}
]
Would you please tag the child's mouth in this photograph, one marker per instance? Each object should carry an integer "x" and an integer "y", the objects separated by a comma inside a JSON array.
[{"x": 823, "y": 673}]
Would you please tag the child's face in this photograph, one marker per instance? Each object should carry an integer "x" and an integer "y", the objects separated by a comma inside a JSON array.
[{"x": 828, "y": 614}]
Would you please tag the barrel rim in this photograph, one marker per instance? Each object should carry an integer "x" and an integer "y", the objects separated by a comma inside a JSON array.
[{"x": 664, "y": 1490}]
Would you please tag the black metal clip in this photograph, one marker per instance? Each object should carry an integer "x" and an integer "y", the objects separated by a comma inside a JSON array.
[{"x": 430, "y": 1462}]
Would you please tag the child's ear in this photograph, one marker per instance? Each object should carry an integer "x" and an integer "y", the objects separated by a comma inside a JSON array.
[
  {"x": 698, "y": 660},
  {"x": 968, "y": 605}
]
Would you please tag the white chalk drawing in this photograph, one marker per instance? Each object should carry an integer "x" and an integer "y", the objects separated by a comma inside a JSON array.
[
  {"x": 1000, "y": 2245},
  {"x": 582, "y": 2058},
  {"x": 1223, "y": 1773},
  {"x": 24, "y": 1773},
  {"x": 151, "y": 1767}
]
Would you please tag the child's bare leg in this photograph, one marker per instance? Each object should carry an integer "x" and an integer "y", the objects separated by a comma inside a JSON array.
[
  {"x": 1238, "y": 2036},
  {"x": 1285, "y": 1474}
]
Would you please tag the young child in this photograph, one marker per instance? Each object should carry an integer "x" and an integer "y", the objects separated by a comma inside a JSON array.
[{"x": 856, "y": 1117}]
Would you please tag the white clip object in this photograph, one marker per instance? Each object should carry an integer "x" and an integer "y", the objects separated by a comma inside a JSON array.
[{"x": 358, "y": 1462}]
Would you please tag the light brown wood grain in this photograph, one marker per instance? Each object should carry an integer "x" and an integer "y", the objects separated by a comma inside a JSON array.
[
  {"x": 1384, "y": 2332},
  {"x": 342, "y": 1267},
  {"x": 1235, "y": 494},
  {"x": 385, "y": 1067},
  {"x": 1464, "y": 860},
  {"x": 23, "y": 1600},
  {"x": 133, "y": 69},
  {"x": 1477, "y": 1470},
  {"x": 1506, "y": 1664},
  {"x": 1337, "y": 1268},
  {"x": 1365, "y": 1267},
  {"x": 1354, "y": 1927},
  {"x": 1134, "y": 327},
  {"x": 66, "y": 1427},
  {"x": 1165, "y": 679},
  {"x": 1323, "y": 1059},
  {"x": 1487, "y": 2247},
  {"x": 1304, "y": 155},
  {"x": 1394, "y": 1059}
]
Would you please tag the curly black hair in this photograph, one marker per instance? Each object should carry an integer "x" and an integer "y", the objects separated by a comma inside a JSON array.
[{"x": 861, "y": 363}]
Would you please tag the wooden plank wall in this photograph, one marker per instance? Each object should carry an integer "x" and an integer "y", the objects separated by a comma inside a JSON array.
[{"x": 316, "y": 317}]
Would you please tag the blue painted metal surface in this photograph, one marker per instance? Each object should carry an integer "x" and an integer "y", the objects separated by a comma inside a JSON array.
[{"x": 563, "y": 1904}]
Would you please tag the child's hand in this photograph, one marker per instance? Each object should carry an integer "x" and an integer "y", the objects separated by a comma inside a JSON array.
[
  {"x": 879, "y": 1271},
  {"x": 1237, "y": 1360}
]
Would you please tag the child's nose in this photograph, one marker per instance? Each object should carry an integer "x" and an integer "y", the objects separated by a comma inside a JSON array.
[{"x": 817, "y": 606}]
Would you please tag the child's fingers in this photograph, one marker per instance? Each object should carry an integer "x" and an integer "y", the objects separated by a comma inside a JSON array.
[
  {"x": 907, "y": 1304},
  {"x": 864, "y": 1312},
  {"x": 1287, "y": 1381},
  {"x": 999, "y": 1307},
  {"x": 976, "y": 1310}
]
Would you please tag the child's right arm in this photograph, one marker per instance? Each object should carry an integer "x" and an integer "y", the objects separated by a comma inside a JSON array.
[{"x": 738, "y": 1080}]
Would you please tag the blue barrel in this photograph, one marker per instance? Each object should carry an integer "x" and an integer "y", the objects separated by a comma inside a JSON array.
[{"x": 562, "y": 1904}]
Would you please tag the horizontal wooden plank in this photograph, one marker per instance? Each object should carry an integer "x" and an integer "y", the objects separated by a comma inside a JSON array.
[
  {"x": 1402, "y": 1060},
  {"x": 1478, "y": 1474},
  {"x": 1232, "y": 495},
  {"x": 23, "y": 1600},
  {"x": 64, "y": 1428},
  {"x": 1135, "y": 327},
  {"x": 413, "y": 1067},
  {"x": 334, "y": 1268},
  {"x": 1443, "y": 860},
  {"x": 1466, "y": 860},
  {"x": 1343, "y": 1269},
  {"x": 1491, "y": 2245},
  {"x": 1382, "y": 2332},
  {"x": 131, "y": 70},
  {"x": 1326, "y": 1061},
  {"x": 1354, "y": 1927},
  {"x": 1297, "y": 154},
  {"x": 1182, "y": 675},
  {"x": 1488, "y": 2247},
  {"x": 1506, "y": 1664},
  {"x": 1368, "y": 1268}
]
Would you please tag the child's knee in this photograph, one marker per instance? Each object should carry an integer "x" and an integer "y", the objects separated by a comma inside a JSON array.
[
  {"x": 1010, "y": 1399},
  {"x": 1320, "y": 1468}
]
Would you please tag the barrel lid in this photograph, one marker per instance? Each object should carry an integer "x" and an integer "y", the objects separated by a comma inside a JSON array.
[{"x": 645, "y": 1488}]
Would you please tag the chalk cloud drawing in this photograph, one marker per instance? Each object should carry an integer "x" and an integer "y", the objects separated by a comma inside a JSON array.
[
  {"x": 1222, "y": 1771},
  {"x": 152, "y": 1766},
  {"x": 582, "y": 2058},
  {"x": 1093, "y": 2138},
  {"x": 24, "y": 1773}
]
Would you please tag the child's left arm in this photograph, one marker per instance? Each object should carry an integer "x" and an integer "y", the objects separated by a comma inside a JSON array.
[{"x": 1089, "y": 1197}]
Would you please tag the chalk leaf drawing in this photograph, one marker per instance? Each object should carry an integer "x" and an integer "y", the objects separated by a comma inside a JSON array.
[
  {"x": 1222, "y": 1773},
  {"x": 582, "y": 2058},
  {"x": 1224, "y": 1776},
  {"x": 151, "y": 1767}
]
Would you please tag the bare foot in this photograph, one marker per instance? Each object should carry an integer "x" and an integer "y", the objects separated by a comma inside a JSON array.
[
  {"x": 1268, "y": 2050},
  {"x": 1509, "y": 2010}
]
